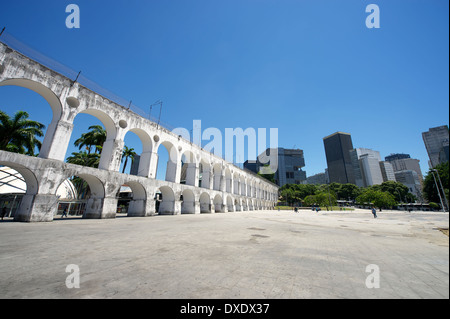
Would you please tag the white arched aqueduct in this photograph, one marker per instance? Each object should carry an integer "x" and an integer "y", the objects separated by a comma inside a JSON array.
[{"x": 222, "y": 188}]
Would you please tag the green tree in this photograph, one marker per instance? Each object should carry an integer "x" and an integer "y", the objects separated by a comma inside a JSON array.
[
  {"x": 377, "y": 198},
  {"x": 296, "y": 193},
  {"x": 396, "y": 189},
  {"x": 85, "y": 159},
  {"x": 19, "y": 134},
  {"x": 288, "y": 195},
  {"x": 343, "y": 191},
  {"x": 321, "y": 199},
  {"x": 127, "y": 153},
  {"x": 430, "y": 191},
  {"x": 96, "y": 137}
]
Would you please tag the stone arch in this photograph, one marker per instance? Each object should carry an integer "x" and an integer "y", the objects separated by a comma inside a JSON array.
[
  {"x": 243, "y": 188},
  {"x": 147, "y": 148},
  {"x": 228, "y": 180},
  {"x": 244, "y": 204},
  {"x": 251, "y": 203},
  {"x": 205, "y": 173},
  {"x": 189, "y": 168},
  {"x": 172, "y": 162},
  {"x": 167, "y": 201},
  {"x": 57, "y": 110},
  {"x": 106, "y": 120},
  {"x": 52, "y": 99},
  {"x": 111, "y": 153},
  {"x": 31, "y": 181},
  {"x": 217, "y": 176},
  {"x": 236, "y": 183},
  {"x": 137, "y": 205},
  {"x": 94, "y": 202},
  {"x": 230, "y": 204},
  {"x": 205, "y": 203},
  {"x": 219, "y": 207},
  {"x": 237, "y": 204},
  {"x": 188, "y": 204}
]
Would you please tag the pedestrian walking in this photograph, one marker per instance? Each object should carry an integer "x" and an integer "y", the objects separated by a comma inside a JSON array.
[
  {"x": 64, "y": 212},
  {"x": 3, "y": 212},
  {"x": 374, "y": 212}
]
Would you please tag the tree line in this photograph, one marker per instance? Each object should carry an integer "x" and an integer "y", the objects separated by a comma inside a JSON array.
[
  {"x": 19, "y": 134},
  {"x": 386, "y": 195}
]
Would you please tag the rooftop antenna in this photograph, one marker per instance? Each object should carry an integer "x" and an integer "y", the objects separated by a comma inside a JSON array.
[{"x": 1, "y": 32}]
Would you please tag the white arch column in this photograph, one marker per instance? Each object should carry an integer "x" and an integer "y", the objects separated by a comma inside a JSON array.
[
  {"x": 153, "y": 164},
  {"x": 207, "y": 178},
  {"x": 223, "y": 182},
  {"x": 111, "y": 155},
  {"x": 103, "y": 202},
  {"x": 192, "y": 173},
  {"x": 56, "y": 140}
]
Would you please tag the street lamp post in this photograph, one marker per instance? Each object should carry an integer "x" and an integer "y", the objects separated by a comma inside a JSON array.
[
  {"x": 442, "y": 188},
  {"x": 439, "y": 192}
]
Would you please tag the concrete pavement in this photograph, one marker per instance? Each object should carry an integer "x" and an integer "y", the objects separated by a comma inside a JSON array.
[{"x": 266, "y": 254}]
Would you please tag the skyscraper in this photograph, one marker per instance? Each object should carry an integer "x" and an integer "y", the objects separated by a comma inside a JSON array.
[
  {"x": 410, "y": 179},
  {"x": 388, "y": 172},
  {"x": 369, "y": 169},
  {"x": 337, "y": 150},
  {"x": 436, "y": 139},
  {"x": 401, "y": 162},
  {"x": 290, "y": 163}
]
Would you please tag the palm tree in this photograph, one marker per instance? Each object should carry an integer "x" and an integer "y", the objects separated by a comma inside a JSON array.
[
  {"x": 84, "y": 159},
  {"x": 95, "y": 137},
  {"x": 127, "y": 153},
  {"x": 19, "y": 134}
]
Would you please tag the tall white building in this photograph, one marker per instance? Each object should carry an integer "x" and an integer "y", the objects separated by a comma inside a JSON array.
[{"x": 366, "y": 167}]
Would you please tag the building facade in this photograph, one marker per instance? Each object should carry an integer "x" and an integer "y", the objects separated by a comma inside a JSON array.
[
  {"x": 339, "y": 162},
  {"x": 410, "y": 179},
  {"x": 387, "y": 171},
  {"x": 290, "y": 164},
  {"x": 436, "y": 139},
  {"x": 367, "y": 167},
  {"x": 402, "y": 162}
]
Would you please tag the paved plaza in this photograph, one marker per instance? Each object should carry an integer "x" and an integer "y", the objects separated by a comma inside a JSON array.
[{"x": 266, "y": 254}]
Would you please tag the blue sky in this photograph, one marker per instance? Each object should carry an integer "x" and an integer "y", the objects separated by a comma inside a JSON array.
[{"x": 309, "y": 68}]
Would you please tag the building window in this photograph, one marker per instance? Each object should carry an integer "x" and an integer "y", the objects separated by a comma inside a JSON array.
[{"x": 290, "y": 175}]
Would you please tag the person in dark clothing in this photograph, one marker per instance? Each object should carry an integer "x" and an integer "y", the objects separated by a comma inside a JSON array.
[
  {"x": 64, "y": 212},
  {"x": 374, "y": 212}
]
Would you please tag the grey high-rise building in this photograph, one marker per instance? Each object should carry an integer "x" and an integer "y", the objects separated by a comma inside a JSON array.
[
  {"x": 387, "y": 170},
  {"x": 290, "y": 164},
  {"x": 436, "y": 139},
  {"x": 410, "y": 179},
  {"x": 337, "y": 150},
  {"x": 402, "y": 162}
]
